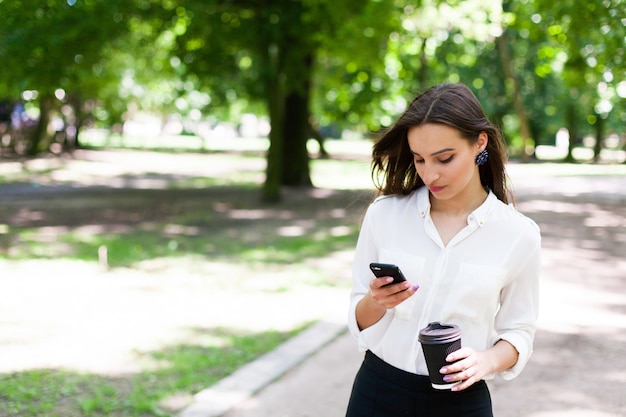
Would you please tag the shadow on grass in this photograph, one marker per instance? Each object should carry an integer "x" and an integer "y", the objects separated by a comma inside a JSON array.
[
  {"x": 219, "y": 223},
  {"x": 177, "y": 372}
]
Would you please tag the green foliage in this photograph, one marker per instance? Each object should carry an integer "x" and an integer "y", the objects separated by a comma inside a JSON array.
[
  {"x": 46, "y": 45},
  {"x": 216, "y": 60},
  {"x": 577, "y": 56}
]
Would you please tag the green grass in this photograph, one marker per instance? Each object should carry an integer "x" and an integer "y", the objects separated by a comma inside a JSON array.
[
  {"x": 182, "y": 370},
  {"x": 128, "y": 249},
  {"x": 213, "y": 225}
]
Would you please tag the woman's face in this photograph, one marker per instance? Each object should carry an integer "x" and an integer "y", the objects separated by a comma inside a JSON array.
[{"x": 445, "y": 161}]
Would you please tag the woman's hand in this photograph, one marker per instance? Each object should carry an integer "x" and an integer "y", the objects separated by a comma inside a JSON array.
[
  {"x": 373, "y": 306},
  {"x": 473, "y": 366},
  {"x": 390, "y": 295}
]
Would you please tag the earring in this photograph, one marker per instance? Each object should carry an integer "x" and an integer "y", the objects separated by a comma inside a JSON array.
[{"x": 481, "y": 158}]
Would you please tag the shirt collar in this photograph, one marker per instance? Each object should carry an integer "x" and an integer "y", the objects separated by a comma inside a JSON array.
[
  {"x": 481, "y": 214},
  {"x": 423, "y": 201},
  {"x": 478, "y": 216}
]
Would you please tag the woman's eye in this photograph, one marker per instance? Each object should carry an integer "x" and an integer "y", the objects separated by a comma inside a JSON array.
[
  {"x": 448, "y": 159},
  {"x": 418, "y": 161}
]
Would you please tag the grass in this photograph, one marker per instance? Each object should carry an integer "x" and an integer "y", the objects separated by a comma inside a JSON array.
[
  {"x": 220, "y": 223},
  {"x": 183, "y": 370}
]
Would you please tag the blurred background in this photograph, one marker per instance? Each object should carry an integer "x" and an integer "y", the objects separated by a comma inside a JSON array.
[
  {"x": 92, "y": 73},
  {"x": 182, "y": 181}
]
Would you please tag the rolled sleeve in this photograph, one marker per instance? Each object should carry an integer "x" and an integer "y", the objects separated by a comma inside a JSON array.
[
  {"x": 524, "y": 346},
  {"x": 517, "y": 317},
  {"x": 366, "y": 251},
  {"x": 369, "y": 338}
]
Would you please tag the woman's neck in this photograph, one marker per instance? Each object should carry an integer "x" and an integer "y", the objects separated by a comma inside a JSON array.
[{"x": 462, "y": 204}]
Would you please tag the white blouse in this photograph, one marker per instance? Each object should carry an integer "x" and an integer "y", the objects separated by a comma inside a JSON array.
[{"x": 485, "y": 280}]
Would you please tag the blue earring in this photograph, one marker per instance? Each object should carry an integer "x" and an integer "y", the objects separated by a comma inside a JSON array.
[{"x": 481, "y": 158}]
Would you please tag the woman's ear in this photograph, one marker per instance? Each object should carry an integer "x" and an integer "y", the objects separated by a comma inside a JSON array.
[{"x": 482, "y": 141}]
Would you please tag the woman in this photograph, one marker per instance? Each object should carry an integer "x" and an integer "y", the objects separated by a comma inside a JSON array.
[{"x": 470, "y": 259}]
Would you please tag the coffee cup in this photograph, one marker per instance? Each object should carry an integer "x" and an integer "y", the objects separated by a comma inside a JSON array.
[{"x": 438, "y": 341}]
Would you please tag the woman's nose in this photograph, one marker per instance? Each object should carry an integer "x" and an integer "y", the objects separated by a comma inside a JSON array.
[{"x": 430, "y": 174}]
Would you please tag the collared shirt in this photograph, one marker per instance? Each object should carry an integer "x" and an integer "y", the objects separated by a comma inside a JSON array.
[{"x": 485, "y": 280}]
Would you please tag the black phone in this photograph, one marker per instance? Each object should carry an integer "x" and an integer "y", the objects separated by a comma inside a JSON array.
[{"x": 387, "y": 270}]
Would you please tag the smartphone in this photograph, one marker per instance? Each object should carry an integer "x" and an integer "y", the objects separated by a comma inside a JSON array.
[{"x": 388, "y": 270}]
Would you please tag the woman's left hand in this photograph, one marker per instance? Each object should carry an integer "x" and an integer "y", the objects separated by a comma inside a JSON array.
[{"x": 472, "y": 366}]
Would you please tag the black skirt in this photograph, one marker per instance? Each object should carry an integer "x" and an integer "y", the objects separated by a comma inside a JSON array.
[{"x": 381, "y": 390}]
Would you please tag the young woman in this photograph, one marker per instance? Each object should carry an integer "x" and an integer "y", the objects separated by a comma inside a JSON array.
[{"x": 443, "y": 216}]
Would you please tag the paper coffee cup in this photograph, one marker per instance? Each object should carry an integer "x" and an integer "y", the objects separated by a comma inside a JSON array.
[{"x": 438, "y": 341}]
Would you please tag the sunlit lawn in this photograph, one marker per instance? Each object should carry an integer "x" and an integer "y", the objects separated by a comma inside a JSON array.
[{"x": 189, "y": 369}]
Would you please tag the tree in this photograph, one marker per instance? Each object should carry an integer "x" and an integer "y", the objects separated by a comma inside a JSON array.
[
  {"x": 587, "y": 43},
  {"x": 428, "y": 43},
  {"x": 53, "y": 48},
  {"x": 268, "y": 51}
]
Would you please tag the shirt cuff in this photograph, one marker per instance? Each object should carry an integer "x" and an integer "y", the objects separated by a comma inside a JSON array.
[
  {"x": 368, "y": 339},
  {"x": 524, "y": 346}
]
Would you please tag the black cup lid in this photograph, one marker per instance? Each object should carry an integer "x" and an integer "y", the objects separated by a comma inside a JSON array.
[{"x": 436, "y": 333}]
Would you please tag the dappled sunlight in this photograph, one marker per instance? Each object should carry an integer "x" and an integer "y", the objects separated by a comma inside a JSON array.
[
  {"x": 573, "y": 412},
  {"x": 581, "y": 337},
  {"x": 582, "y": 250},
  {"x": 25, "y": 216},
  {"x": 94, "y": 321},
  {"x": 256, "y": 214},
  {"x": 572, "y": 308},
  {"x": 179, "y": 229},
  {"x": 340, "y": 231},
  {"x": 294, "y": 230}
]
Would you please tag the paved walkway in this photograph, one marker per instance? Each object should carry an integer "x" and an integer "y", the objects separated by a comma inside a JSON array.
[{"x": 579, "y": 365}]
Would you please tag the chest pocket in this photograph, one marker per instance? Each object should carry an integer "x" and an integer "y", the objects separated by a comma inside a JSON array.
[
  {"x": 474, "y": 293},
  {"x": 412, "y": 267}
]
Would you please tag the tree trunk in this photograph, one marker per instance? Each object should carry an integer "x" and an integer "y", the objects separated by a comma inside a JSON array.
[
  {"x": 77, "y": 122},
  {"x": 518, "y": 102},
  {"x": 597, "y": 147},
  {"x": 423, "y": 71},
  {"x": 40, "y": 140},
  {"x": 276, "y": 101},
  {"x": 295, "y": 164},
  {"x": 290, "y": 58}
]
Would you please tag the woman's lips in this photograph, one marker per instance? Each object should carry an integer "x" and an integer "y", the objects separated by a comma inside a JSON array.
[{"x": 435, "y": 189}]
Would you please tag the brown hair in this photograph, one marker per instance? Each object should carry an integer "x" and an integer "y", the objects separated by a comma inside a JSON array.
[{"x": 453, "y": 105}]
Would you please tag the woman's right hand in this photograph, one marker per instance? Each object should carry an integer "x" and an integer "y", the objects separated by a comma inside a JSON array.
[
  {"x": 381, "y": 297},
  {"x": 390, "y": 295}
]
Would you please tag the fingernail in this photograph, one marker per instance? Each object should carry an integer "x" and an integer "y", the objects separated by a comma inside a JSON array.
[
  {"x": 415, "y": 287},
  {"x": 446, "y": 378},
  {"x": 443, "y": 370}
]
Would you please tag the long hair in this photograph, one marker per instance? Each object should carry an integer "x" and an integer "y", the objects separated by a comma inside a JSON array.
[{"x": 454, "y": 105}]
